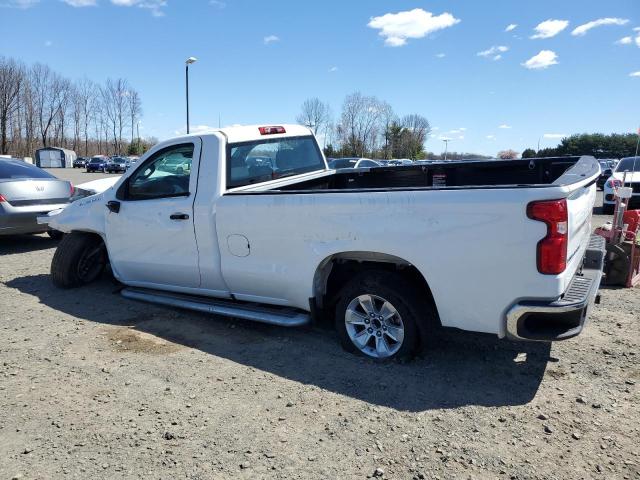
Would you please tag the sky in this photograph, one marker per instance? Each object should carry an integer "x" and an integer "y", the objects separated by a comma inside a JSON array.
[{"x": 487, "y": 75}]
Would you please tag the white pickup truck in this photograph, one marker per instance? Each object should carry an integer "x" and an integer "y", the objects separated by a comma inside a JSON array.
[{"x": 249, "y": 222}]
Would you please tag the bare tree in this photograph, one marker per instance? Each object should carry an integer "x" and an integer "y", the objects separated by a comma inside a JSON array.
[
  {"x": 11, "y": 81},
  {"x": 360, "y": 123},
  {"x": 314, "y": 114},
  {"x": 135, "y": 110},
  {"x": 114, "y": 97},
  {"x": 416, "y": 130},
  {"x": 49, "y": 93},
  {"x": 85, "y": 105},
  {"x": 387, "y": 118}
]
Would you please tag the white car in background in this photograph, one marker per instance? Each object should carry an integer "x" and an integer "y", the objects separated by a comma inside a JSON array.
[
  {"x": 355, "y": 162},
  {"x": 630, "y": 166}
]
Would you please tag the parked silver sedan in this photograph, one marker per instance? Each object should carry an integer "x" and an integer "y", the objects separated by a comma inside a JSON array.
[{"x": 26, "y": 192}]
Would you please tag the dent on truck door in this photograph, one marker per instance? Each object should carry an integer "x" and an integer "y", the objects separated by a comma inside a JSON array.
[{"x": 151, "y": 239}]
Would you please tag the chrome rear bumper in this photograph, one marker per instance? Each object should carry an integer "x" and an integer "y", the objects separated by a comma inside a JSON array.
[{"x": 565, "y": 317}]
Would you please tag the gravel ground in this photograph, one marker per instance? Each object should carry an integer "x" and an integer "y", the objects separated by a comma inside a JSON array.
[{"x": 97, "y": 386}]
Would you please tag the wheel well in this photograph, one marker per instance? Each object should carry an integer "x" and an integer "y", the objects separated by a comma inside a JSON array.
[
  {"x": 89, "y": 233},
  {"x": 336, "y": 270}
]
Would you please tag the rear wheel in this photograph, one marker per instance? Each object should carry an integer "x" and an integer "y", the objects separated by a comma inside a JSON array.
[
  {"x": 377, "y": 315},
  {"x": 79, "y": 259}
]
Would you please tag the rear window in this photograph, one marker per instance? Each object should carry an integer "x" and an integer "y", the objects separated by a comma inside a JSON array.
[
  {"x": 13, "y": 170},
  {"x": 264, "y": 160}
]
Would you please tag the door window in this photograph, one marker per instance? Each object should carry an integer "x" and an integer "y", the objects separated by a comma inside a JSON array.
[{"x": 165, "y": 174}]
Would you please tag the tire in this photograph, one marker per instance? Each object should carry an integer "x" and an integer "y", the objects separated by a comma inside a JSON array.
[
  {"x": 397, "y": 336},
  {"x": 607, "y": 209},
  {"x": 55, "y": 234},
  {"x": 79, "y": 259}
]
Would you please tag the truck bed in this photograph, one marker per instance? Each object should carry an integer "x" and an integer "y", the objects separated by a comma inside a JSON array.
[{"x": 539, "y": 172}]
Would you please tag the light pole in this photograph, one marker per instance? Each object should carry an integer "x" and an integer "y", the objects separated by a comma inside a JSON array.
[
  {"x": 188, "y": 62},
  {"x": 446, "y": 146}
]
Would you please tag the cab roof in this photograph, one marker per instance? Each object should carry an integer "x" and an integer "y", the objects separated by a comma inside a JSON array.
[{"x": 246, "y": 133}]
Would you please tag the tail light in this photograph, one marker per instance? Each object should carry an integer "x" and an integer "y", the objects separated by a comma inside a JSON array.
[
  {"x": 271, "y": 130},
  {"x": 2, "y": 199},
  {"x": 72, "y": 189},
  {"x": 614, "y": 183},
  {"x": 552, "y": 249}
]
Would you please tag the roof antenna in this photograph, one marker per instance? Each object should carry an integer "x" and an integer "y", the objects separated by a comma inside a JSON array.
[{"x": 218, "y": 120}]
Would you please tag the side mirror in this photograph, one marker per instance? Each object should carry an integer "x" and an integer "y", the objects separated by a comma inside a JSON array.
[{"x": 113, "y": 206}]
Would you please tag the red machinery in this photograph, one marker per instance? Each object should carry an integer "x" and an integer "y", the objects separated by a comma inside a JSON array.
[{"x": 622, "y": 262}]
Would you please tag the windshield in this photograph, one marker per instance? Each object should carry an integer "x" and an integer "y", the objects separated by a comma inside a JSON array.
[
  {"x": 264, "y": 160},
  {"x": 631, "y": 164},
  {"x": 12, "y": 169},
  {"x": 96, "y": 160}
]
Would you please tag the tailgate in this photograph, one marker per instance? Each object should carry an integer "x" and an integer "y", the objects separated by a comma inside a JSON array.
[{"x": 580, "y": 205}]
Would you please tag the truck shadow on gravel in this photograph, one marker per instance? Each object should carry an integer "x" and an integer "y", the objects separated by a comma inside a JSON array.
[
  {"x": 14, "y": 244},
  {"x": 463, "y": 369}
]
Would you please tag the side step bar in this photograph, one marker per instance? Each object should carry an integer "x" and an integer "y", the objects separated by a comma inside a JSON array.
[{"x": 281, "y": 316}]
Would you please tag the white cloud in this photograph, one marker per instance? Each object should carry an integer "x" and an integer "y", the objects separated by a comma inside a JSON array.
[
  {"x": 635, "y": 74},
  {"x": 625, "y": 41},
  {"x": 451, "y": 133},
  {"x": 511, "y": 27},
  {"x": 493, "y": 52},
  {"x": 218, "y": 3},
  {"x": 549, "y": 28},
  {"x": 441, "y": 55},
  {"x": 584, "y": 28},
  {"x": 80, "y": 3},
  {"x": 396, "y": 28},
  {"x": 491, "y": 137},
  {"x": 544, "y": 59},
  {"x": 554, "y": 135},
  {"x": 23, "y": 4},
  {"x": 48, "y": 43},
  {"x": 154, "y": 6},
  {"x": 333, "y": 69},
  {"x": 270, "y": 39},
  {"x": 504, "y": 126}
]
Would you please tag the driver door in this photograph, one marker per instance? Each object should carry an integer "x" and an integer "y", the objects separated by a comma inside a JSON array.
[{"x": 151, "y": 239}]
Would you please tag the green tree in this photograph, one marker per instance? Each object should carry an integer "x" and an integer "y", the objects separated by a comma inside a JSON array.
[{"x": 529, "y": 153}]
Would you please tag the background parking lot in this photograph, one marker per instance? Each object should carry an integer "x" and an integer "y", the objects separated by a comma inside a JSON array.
[{"x": 97, "y": 386}]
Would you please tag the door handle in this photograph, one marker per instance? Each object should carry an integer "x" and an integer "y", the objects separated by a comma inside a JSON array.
[
  {"x": 113, "y": 206},
  {"x": 179, "y": 216}
]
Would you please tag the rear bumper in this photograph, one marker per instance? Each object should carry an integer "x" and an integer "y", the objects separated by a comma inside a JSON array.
[
  {"x": 13, "y": 221},
  {"x": 565, "y": 317},
  {"x": 18, "y": 224}
]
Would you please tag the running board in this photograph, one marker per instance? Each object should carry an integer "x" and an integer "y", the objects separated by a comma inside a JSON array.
[{"x": 281, "y": 316}]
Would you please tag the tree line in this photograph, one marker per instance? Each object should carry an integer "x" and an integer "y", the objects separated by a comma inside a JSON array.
[
  {"x": 599, "y": 145},
  {"x": 366, "y": 127},
  {"x": 41, "y": 108}
]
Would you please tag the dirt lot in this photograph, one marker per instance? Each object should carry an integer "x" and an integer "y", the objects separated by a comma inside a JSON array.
[{"x": 96, "y": 386}]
